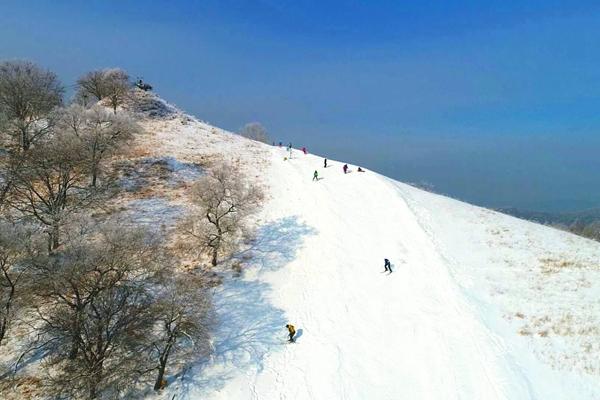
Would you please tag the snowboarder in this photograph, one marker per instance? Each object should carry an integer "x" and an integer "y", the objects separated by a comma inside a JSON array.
[
  {"x": 360, "y": 169},
  {"x": 387, "y": 265},
  {"x": 325, "y": 163},
  {"x": 292, "y": 332},
  {"x": 316, "y": 175},
  {"x": 345, "y": 168},
  {"x": 304, "y": 150},
  {"x": 280, "y": 144}
]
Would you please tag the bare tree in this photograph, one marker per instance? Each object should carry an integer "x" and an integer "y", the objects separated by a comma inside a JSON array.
[
  {"x": 255, "y": 131},
  {"x": 28, "y": 96},
  {"x": 92, "y": 85},
  {"x": 18, "y": 246},
  {"x": 225, "y": 200},
  {"x": 111, "y": 84},
  {"x": 100, "y": 133},
  {"x": 95, "y": 303},
  {"x": 184, "y": 315},
  {"x": 118, "y": 87},
  {"x": 49, "y": 185}
]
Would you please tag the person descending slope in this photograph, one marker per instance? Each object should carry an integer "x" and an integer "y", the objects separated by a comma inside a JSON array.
[
  {"x": 387, "y": 265},
  {"x": 316, "y": 175},
  {"x": 304, "y": 150},
  {"x": 292, "y": 332},
  {"x": 325, "y": 163},
  {"x": 345, "y": 168}
]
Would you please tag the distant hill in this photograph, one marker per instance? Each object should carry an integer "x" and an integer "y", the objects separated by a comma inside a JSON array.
[
  {"x": 550, "y": 218},
  {"x": 584, "y": 223}
]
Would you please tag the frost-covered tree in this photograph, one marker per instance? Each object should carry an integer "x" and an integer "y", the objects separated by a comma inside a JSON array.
[
  {"x": 184, "y": 317},
  {"x": 92, "y": 85},
  {"x": 110, "y": 84},
  {"x": 95, "y": 303},
  {"x": 225, "y": 199},
  {"x": 18, "y": 247},
  {"x": 28, "y": 96},
  {"x": 49, "y": 184},
  {"x": 255, "y": 131},
  {"x": 100, "y": 134}
]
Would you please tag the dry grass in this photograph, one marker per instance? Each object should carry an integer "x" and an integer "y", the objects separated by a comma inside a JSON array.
[
  {"x": 553, "y": 265},
  {"x": 21, "y": 388}
]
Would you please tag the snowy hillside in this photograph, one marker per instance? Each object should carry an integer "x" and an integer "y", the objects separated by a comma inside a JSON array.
[{"x": 480, "y": 305}]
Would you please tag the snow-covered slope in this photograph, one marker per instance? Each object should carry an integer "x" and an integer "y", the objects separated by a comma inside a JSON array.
[{"x": 479, "y": 306}]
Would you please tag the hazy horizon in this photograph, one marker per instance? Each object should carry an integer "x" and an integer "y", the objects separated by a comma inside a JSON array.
[{"x": 493, "y": 104}]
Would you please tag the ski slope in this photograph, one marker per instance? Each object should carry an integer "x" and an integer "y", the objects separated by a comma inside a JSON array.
[{"x": 476, "y": 307}]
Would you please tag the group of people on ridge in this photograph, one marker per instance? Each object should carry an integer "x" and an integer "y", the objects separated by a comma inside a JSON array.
[{"x": 344, "y": 168}]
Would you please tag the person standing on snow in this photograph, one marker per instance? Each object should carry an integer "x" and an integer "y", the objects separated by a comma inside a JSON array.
[
  {"x": 345, "y": 168},
  {"x": 325, "y": 163},
  {"x": 304, "y": 150},
  {"x": 387, "y": 265},
  {"x": 291, "y": 331},
  {"x": 316, "y": 175}
]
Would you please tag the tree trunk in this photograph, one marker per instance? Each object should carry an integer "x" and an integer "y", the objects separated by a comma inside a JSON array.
[
  {"x": 5, "y": 189},
  {"x": 95, "y": 381},
  {"x": 215, "y": 254},
  {"x": 158, "y": 385},
  {"x": 74, "y": 338},
  {"x": 74, "y": 349},
  {"x": 3, "y": 326},
  {"x": 94, "y": 176},
  {"x": 5, "y": 320},
  {"x": 25, "y": 144},
  {"x": 55, "y": 236}
]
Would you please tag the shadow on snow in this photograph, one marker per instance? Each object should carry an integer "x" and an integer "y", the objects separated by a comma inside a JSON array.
[{"x": 249, "y": 325}]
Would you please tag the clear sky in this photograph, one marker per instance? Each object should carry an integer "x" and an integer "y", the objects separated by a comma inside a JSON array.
[{"x": 493, "y": 102}]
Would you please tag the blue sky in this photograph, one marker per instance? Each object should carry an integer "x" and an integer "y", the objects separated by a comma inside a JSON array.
[{"x": 492, "y": 102}]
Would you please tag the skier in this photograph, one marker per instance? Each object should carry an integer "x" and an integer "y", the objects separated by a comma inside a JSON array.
[
  {"x": 316, "y": 175},
  {"x": 304, "y": 150},
  {"x": 345, "y": 168},
  {"x": 292, "y": 332},
  {"x": 325, "y": 163},
  {"x": 280, "y": 144},
  {"x": 387, "y": 265}
]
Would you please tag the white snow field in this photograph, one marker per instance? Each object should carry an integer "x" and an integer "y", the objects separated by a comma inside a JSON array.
[{"x": 480, "y": 305}]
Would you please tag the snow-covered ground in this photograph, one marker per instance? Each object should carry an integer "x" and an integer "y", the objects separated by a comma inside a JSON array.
[{"x": 480, "y": 305}]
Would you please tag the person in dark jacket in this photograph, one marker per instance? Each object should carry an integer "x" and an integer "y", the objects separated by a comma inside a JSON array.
[
  {"x": 387, "y": 265},
  {"x": 325, "y": 163},
  {"x": 316, "y": 175},
  {"x": 291, "y": 331},
  {"x": 345, "y": 168}
]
